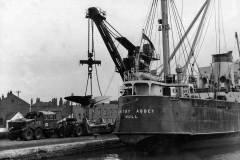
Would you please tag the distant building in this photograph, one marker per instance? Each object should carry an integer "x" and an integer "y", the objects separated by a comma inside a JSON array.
[
  {"x": 107, "y": 111},
  {"x": 10, "y": 105},
  {"x": 62, "y": 110},
  {"x": 78, "y": 112}
]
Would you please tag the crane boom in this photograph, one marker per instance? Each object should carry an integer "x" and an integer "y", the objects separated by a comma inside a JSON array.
[
  {"x": 236, "y": 36},
  {"x": 99, "y": 18}
]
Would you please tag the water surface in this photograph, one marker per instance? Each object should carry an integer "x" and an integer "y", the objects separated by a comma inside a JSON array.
[{"x": 219, "y": 153}]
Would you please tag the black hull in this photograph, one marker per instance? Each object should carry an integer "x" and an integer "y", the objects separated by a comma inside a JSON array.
[
  {"x": 180, "y": 142},
  {"x": 154, "y": 120}
]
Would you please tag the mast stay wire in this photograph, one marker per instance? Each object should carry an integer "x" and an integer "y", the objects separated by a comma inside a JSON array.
[
  {"x": 183, "y": 47},
  {"x": 152, "y": 20},
  {"x": 204, "y": 37},
  {"x": 184, "y": 29},
  {"x": 179, "y": 31},
  {"x": 148, "y": 17},
  {"x": 219, "y": 30},
  {"x": 198, "y": 49},
  {"x": 110, "y": 82},
  {"x": 173, "y": 40},
  {"x": 221, "y": 15},
  {"x": 171, "y": 26},
  {"x": 215, "y": 21}
]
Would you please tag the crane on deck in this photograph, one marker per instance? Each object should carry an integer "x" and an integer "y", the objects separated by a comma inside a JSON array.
[{"x": 108, "y": 33}]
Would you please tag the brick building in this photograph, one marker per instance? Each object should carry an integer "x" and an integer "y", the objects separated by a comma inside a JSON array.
[
  {"x": 62, "y": 109},
  {"x": 107, "y": 111},
  {"x": 10, "y": 105}
]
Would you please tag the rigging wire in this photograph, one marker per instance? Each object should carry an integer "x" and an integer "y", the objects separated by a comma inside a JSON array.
[
  {"x": 110, "y": 82},
  {"x": 178, "y": 16},
  {"x": 182, "y": 10},
  {"x": 204, "y": 37},
  {"x": 150, "y": 16},
  {"x": 219, "y": 30},
  {"x": 224, "y": 35},
  {"x": 179, "y": 31},
  {"x": 113, "y": 28},
  {"x": 204, "y": 20},
  {"x": 110, "y": 31},
  {"x": 215, "y": 22},
  {"x": 152, "y": 19},
  {"x": 173, "y": 40}
]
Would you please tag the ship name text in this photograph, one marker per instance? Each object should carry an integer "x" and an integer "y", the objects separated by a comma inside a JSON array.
[{"x": 133, "y": 114}]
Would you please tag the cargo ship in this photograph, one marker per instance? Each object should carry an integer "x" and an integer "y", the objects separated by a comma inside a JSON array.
[{"x": 158, "y": 107}]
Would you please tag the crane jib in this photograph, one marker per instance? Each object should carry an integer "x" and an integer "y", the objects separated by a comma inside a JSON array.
[{"x": 98, "y": 18}]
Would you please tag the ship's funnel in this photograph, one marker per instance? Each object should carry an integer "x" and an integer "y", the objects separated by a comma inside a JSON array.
[{"x": 223, "y": 69}]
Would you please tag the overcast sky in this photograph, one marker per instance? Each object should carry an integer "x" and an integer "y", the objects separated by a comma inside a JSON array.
[{"x": 42, "y": 41}]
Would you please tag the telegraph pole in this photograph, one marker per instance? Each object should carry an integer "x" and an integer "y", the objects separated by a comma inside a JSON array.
[{"x": 18, "y": 92}]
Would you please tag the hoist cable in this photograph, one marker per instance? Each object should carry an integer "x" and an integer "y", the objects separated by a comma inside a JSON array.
[
  {"x": 86, "y": 85},
  {"x": 88, "y": 54},
  {"x": 93, "y": 51}
]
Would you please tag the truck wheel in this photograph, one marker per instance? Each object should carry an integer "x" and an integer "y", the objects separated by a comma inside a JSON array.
[
  {"x": 38, "y": 134},
  {"x": 61, "y": 132},
  {"x": 12, "y": 137},
  {"x": 27, "y": 134},
  {"x": 78, "y": 131}
]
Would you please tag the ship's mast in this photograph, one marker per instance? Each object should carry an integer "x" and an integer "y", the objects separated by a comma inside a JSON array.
[{"x": 165, "y": 35}]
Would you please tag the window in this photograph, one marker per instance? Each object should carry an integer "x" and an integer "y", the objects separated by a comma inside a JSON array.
[
  {"x": 191, "y": 90},
  {"x": 166, "y": 91},
  {"x": 141, "y": 89}
]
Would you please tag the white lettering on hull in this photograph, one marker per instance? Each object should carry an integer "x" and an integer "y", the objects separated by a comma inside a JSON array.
[{"x": 134, "y": 114}]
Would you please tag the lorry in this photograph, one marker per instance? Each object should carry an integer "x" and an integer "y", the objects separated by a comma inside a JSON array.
[
  {"x": 35, "y": 125},
  {"x": 71, "y": 127}
]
